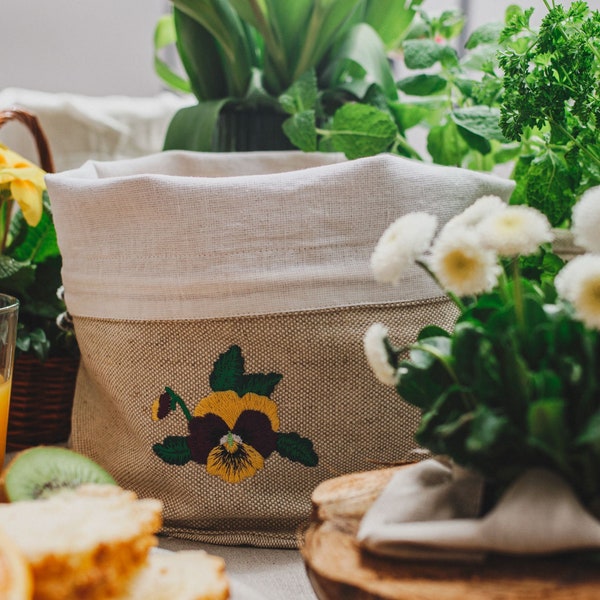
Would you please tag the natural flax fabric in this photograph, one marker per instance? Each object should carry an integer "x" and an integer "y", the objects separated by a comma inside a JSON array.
[{"x": 220, "y": 302}]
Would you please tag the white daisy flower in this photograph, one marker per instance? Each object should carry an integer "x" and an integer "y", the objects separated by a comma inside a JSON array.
[
  {"x": 586, "y": 220},
  {"x": 515, "y": 230},
  {"x": 403, "y": 242},
  {"x": 462, "y": 265},
  {"x": 579, "y": 283},
  {"x": 473, "y": 215},
  {"x": 377, "y": 356}
]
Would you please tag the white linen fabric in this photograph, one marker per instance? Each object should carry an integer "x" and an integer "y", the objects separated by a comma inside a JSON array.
[
  {"x": 430, "y": 511},
  {"x": 186, "y": 235},
  {"x": 81, "y": 128}
]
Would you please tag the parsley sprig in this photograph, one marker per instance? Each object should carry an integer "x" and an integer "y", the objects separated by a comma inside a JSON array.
[{"x": 551, "y": 105}]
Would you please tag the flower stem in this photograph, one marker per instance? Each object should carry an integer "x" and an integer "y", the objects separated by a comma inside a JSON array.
[{"x": 178, "y": 400}]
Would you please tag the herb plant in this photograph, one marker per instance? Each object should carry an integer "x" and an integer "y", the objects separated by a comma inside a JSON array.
[
  {"x": 246, "y": 53},
  {"x": 551, "y": 105},
  {"x": 515, "y": 385}
]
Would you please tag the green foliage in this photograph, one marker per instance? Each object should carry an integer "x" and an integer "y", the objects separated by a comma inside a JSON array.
[
  {"x": 551, "y": 104},
  {"x": 174, "y": 450},
  {"x": 296, "y": 448},
  {"x": 514, "y": 386},
  {"x": 228, "y": 374},
  {"x": 251, "y": 54},
  {"x": 30, "y": 270}
]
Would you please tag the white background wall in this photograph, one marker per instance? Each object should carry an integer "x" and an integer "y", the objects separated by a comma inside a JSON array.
[{"x": 103, "y": 47}]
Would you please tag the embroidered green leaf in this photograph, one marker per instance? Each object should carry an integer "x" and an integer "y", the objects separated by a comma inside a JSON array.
[
  {"x": 297, "y": 449},
  {"x": 259, "y": 383},
  {"x": 174, "y": 450},
  {"x": 228, "y": 370}
]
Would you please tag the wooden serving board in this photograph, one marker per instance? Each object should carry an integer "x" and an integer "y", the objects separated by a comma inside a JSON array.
[{"x": 340, "y": 570}]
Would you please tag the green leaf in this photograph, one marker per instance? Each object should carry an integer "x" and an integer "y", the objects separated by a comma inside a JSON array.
[
  {"x": 390, "y": 19},
  {"x": 301, "y": 96},
  {"x": 549, "y": 187},
  {"x": 164, "y": 36},
  {"x": 421, "y": 54},
  {"x": 360, "y": 130},
  {"x": 301, "y": 130},
  {"x": 297, "y": 449},
  {"x": 237, "y": 53},
  {"x": 446, "y": 145},
  {"x": 488, "y": 33},
  {"x": 590, "y": 436},
  {"x": 431, "y": 331},
  {"x": 201, "y": 58},
  {"x": 193, "y": 127},
  {"x": 15, "y": 276},
  {"x": 228, "y": 370},
  {"x": 480, "y": 120},
  {"x": 174, "y": 450},
  {"x": 422, "y": 84},
  {"x": 488, "y": 431},
  {"x": 262, "y": 384},
  {"x": 33, "y": 244},
  {"x": 547, "y": 426},
  {"x": 363, "y": 46}
]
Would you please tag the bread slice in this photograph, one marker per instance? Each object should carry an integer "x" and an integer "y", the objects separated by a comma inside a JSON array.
[
  {"x": 184, "y": 575},
  {"x": 84, "y": 543}
]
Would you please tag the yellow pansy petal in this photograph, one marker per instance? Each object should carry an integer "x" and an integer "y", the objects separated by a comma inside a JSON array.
[
  {"x": 29, "y": 199},
  {"x": 229, "y": 406},
  {"x": 235, "y": 466}
]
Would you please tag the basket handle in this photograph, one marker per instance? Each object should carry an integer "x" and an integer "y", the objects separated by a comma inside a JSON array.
[{"x": 33, "y": 124}]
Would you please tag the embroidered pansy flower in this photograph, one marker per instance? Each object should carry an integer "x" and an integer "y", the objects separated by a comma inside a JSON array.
[
  {"x": 232, "y": 436},
  {"x": 234, "y": 429}
]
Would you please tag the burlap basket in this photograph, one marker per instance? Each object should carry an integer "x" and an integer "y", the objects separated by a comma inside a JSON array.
[{"x": 220, "y": 301}]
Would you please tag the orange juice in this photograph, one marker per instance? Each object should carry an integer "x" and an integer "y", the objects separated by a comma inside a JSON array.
[{"x": 4, "y": 404}]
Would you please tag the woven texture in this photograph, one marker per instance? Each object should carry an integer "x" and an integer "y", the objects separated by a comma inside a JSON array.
[{"x": 220, "y": 302}]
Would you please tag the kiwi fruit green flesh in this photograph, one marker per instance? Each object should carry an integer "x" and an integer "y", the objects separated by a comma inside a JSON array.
[{"x": 41, "y": 471}]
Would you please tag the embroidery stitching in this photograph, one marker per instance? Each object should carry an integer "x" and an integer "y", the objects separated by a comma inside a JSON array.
[{"x": 235, "y": 428}]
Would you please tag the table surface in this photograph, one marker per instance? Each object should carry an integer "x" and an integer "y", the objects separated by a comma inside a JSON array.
[{"x": 338, "y": 568}]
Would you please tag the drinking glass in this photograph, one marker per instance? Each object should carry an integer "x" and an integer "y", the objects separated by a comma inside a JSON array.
[{"x": 9, "y": 315}]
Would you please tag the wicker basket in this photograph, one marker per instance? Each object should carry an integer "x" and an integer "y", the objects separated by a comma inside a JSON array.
[{"x": 42, "y": 392}]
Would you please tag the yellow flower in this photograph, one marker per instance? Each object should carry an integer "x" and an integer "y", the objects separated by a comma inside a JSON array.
[
  {"x": 25, "y": 182},
  {"x": 233, "y": 435}
]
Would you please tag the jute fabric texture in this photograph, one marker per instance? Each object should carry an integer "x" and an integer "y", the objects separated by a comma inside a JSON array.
[{"x": 220, "y": 319}]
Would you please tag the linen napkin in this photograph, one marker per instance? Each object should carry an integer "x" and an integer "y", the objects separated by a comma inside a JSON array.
[{"x": 430, "y": 511}]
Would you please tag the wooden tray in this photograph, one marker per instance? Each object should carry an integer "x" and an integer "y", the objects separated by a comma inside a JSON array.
[{"x": 338, "y": 569}]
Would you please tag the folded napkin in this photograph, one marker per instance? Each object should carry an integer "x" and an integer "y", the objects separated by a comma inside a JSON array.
[{"x": 430, "y": 511}]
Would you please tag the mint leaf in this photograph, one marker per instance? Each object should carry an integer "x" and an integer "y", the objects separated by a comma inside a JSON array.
[
  {"x": 421, "y": 54},
  {"x": 301, "y": 130},
  {"x": 361, "y": 130},
  {"x": 297, "y": 449},
  {"x": 480, "y": 120},
  {"x": 174, "y": 450},
  {"x": 301, "y": 96},
  {"x": 422, "y": 84},
  {"x": 446, "y": 145},
  {"x": 489, "y": 33},
  {"x": 228, "y": 370}
]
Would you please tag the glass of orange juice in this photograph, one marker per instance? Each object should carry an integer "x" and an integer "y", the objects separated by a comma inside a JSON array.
[{"x": 9, "y": 315}]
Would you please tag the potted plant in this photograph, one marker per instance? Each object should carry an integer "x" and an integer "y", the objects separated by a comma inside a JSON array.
[
  {"x": 30, "y": 264},
  {"x": 242, "y": 57},
  {"x": 514, "y": 386}
]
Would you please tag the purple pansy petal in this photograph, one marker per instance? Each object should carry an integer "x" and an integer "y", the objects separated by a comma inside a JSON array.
[
  {"x": 254, "y": 427},
  {"x": 205, "y": 434}
]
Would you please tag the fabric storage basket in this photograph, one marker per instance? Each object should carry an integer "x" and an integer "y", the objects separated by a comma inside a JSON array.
[{"x": 219, "y": 302}]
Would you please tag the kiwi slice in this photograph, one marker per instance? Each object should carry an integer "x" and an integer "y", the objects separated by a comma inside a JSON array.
[{"x": 41, "y": 471}]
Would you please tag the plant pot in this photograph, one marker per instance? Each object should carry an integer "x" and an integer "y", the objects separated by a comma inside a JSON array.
[
  {"x": 41, "y": 401},
  {"x": 244, "y": 130}
]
